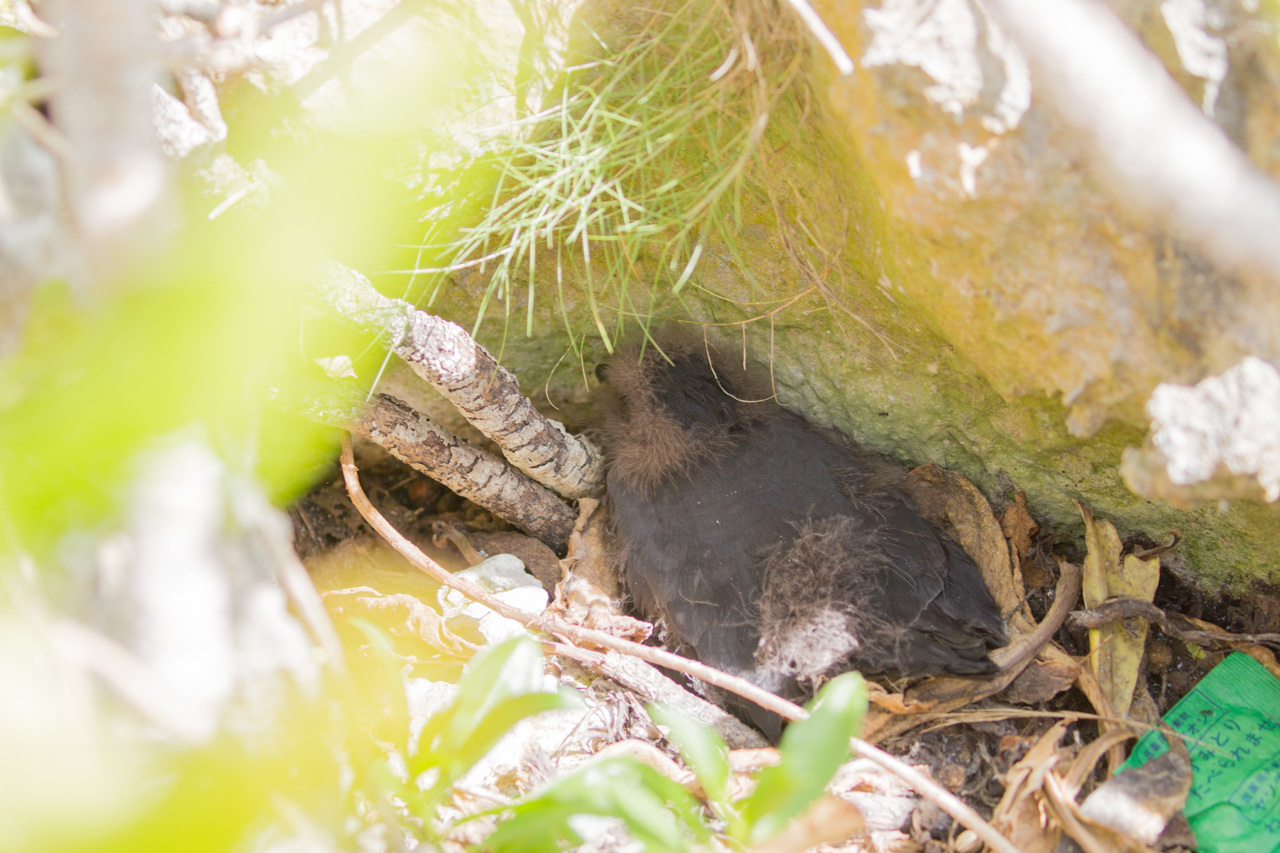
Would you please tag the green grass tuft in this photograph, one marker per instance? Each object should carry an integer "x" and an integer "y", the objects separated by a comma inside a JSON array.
[{"x": 636, "y": 169}]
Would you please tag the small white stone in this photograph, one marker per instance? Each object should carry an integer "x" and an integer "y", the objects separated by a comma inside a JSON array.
[{"x": 503, "y": 576}]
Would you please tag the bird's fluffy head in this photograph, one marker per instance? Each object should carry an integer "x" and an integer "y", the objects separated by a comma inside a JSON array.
[{"x": 676, "y": 404}]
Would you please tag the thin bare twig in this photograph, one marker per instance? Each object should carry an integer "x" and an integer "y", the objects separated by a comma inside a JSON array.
[
  {"x": 824, "y": 35},
  {"x": 925, "y": 786},
  {"x": 1116, "y": 609}
]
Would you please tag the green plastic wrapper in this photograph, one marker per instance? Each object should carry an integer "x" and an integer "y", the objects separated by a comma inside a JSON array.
[{"x": 1231, "y": 723}]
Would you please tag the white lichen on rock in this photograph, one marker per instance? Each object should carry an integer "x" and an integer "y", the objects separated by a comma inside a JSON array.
[
  {"x": 1224, "y": 421},
  {"x": 944, "y": 40}
]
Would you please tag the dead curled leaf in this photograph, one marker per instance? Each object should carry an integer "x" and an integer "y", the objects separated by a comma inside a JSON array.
[
  {"x": 1084, "y": 764},
  {"x": 1140, "y": 801},
  {"x": 1092, "y": 837},
  {"x": 1041, "y": 681},
  {"x": 1116, "y": 649},
  {"x": 1126, "y": 813},
  {"x": 1018, "y": 526},
  {"x": 1123, "y": 815},
  {"x": 1020, "y": 816}
]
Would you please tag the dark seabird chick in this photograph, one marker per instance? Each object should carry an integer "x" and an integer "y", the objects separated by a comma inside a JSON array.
[{"x": 774, "y": 550}]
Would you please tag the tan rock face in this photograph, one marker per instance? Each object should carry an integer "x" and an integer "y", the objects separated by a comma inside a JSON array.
[
  {"x": 997, "y": 257},
  {"x": 979, "y": 293},
  {"x": 1037, "y": 272}
]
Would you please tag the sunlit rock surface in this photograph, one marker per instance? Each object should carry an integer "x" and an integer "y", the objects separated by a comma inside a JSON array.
[{"x": 979, "y": 296}]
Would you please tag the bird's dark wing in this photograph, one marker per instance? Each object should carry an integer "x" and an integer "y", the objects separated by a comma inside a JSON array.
[{"x": 696, "y": 552}]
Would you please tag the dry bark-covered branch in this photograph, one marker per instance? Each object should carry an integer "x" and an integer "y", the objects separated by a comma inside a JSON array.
[
  {"x": 466, "y": 374},
  {"x": 922, "y": 784},
  {"x": 410, "y": 436}
]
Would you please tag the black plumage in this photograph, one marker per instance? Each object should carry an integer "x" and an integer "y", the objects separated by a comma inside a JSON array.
[{"x": 772, "y": 549}]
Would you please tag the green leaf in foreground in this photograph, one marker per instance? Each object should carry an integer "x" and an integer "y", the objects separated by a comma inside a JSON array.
[
  {"x": 811, "y": 751},
  {"x": 702, "y": 749},
  {"x": 500, "y": 687},
  {"x": 658, "y": 813}
]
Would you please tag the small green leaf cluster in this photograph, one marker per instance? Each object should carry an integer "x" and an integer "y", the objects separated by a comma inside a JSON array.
[
  {"x": 662, "y": 815},
  {"x": 500, "y": 687}
]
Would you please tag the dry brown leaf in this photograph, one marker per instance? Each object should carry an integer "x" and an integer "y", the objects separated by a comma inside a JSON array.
[
  {"x": 828, "y": 819},
  {"x": 1101, "y": 702},
  {"x": 1020, "y": 815},
  {"x": 588, "y": 595},
  {"x": 1092, "y": 837},
  {"x": 1018, "y": 526},
  {"x": 894, "y": 703},
  {"x": 951, "y": 502},
  {"x": 1135, "y": 578},
  {"x": 1139, "y": 801},
  {"x": 1103, "y": 544},
  {"x": 1083, "y": 765},
  {"x": 1041, "y": 681},
  {"x": 1116, "y": 649}
]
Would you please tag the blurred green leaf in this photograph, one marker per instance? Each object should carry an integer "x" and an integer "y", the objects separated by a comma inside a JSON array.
[
  {"x": 511, "y": 668},
  {"x": 500, "y": 687},
  {"x": 658, "y": 813},
  {"x": 702, "y": 749},
  {"x": 811, "y": 750},
  {"x": 379, "y": 640},
  {"x": 381, "y": 704},
  {"x": 454, "y": 761}
]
